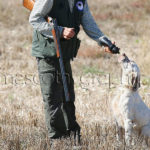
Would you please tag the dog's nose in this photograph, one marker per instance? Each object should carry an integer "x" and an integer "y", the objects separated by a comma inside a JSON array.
[{"x": 124, "y": 55}]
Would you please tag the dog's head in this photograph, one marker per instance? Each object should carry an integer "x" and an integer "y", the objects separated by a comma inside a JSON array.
[{"x": 130, "y": 73}]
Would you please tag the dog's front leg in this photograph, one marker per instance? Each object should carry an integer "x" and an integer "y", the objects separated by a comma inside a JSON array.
[
  {"x": 128, "y": 131},
  {"x": 119, "y": 132},
  {"x": 146, "y": 134}
]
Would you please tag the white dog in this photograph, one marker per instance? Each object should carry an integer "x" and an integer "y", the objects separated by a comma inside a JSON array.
[{"x": 128, "y": 108}]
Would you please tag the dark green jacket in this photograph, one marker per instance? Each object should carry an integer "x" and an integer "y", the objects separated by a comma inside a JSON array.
[{"x": 45, "y": 47}]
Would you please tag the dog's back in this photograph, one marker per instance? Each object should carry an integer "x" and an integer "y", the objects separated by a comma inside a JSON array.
[
  {"x": 141, "y": 111},
  {"x": 129, "y": 104}
]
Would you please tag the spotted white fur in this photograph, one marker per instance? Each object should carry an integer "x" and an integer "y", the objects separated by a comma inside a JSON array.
[{"x": 128, "y": 108}]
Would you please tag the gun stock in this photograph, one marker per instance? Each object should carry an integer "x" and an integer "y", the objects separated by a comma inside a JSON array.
[{"x": 56, "y": 42}]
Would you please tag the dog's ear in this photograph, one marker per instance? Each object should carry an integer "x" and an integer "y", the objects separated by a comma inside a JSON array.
[{"x": 135, "y": 81}]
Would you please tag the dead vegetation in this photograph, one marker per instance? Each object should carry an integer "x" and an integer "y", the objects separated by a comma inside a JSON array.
[{"x": 22, "y": 125}]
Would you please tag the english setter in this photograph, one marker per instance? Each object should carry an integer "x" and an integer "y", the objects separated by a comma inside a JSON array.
[{"x": 128, "y": 107}]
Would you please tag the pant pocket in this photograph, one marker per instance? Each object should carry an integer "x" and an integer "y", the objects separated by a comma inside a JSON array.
[{"x": 45, "y": 66}]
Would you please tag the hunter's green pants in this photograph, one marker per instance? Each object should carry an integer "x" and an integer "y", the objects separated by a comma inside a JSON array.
[{"x": 59, "y": 115}]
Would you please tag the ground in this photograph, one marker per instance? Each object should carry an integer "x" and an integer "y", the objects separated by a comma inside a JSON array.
[{"x": 22, "y": 125}]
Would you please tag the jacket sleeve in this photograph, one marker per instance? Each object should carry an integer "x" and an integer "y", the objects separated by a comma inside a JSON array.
[
  {"x": 37, "y": 17},
  {"x": 89, "y": 25}
]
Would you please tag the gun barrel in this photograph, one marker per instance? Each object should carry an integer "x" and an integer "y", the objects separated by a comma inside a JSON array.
[{"x": 59, "y": 55}]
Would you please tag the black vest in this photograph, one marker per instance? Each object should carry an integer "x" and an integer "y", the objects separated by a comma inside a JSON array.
[{"x": 45, "y": 47}]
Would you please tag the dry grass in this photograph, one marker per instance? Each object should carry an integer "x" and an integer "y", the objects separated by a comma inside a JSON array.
[{"x": 22, "y": 125}]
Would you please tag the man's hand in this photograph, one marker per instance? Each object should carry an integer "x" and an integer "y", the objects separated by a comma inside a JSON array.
[
  {"x": 109, "y": 46},
  {"x": 108, "y": 50},
  {"x": 68, "y": 33}
]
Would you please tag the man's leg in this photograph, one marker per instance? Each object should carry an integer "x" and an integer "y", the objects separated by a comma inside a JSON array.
[
  {"x": 52, "y": 93},
  {"x": 70, "y": 107}
]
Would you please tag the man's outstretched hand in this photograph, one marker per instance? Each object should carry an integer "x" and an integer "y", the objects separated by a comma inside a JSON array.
[
  {"x": 68, "y": 33},
  {"x": 109, "y": 46},
  {"x": 107, "y": 50}
]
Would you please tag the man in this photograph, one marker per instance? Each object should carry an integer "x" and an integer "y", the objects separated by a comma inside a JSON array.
[{"x": 70, "y": 14}]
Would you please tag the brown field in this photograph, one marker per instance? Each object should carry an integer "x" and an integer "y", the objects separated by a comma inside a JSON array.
[{"x": 22, "y": 125}]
